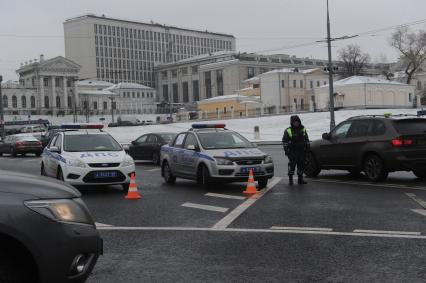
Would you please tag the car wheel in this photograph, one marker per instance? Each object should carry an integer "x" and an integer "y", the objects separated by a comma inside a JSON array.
[
  {"x": 263, "y": 182},
  {"x": 43, "y": 170},
  {"x": 11, "y": 271},
  {"x": 421, "y": 174},
  {"x": 1, "y": 153},
  {"x": 374, "y": 168},
  {"x": 13, "y": 152},
  {"x": 38, "y": 154},
  {"x": 156, "y": 158},
  {"x": 204, "y": 178},
  {"x": 167, "y": 173},
  {"x": 312, "y": 168},
  {"x": 60, "y": 175}
]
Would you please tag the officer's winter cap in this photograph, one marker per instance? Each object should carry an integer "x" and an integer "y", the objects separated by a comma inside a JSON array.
[{"x": 295, "y": 118}]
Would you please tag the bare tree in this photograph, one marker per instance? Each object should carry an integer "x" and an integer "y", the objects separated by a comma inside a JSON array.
[
  {"x": 384, "y": 67},
  {"x": 354, "y": 60},
  {"x": 412, "y": 47}
]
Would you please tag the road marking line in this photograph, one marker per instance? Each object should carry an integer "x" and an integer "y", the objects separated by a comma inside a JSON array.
[
  {"x": 420, "y": 211},
  {"x": 386, "y": 232},
  {"x": 224, "y": 196},
  {"x": 98, "y": 225},
  {"x": 153, "y": 170},
  {"x": 239, "y": 230},
  {"x": 234, "y": 214},
  {"x": 302, "y": 228},
  {"x": 421, "y": 202},
  {"x": 205, "y": 207},
  {"x": 368, "y": 184}
]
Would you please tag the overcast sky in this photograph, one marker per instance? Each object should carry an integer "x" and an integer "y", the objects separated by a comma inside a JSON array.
[{"x": 33, "y": 27}]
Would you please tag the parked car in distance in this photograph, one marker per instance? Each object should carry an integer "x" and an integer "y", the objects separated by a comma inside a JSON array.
[
  {"x": 147, "y": 147},
  {"x": 47, "y": 234},
  {"x": 21, "y": 144},
  {"x": 376, "y": 145},
  {"x": 32, "y": 129}
]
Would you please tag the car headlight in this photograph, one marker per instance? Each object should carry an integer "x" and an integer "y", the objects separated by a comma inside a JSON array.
[
  {"x": 62, "y": 210},
  {"x": 268, "y": 159},
  {"x": 128, "y": 161},
  {"x": 223, "y": 161},
  {"x": 76, "y": 163}
]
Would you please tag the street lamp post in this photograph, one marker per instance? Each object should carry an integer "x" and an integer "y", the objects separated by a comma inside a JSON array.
[
  {"x": 1, "y": 112},
  {"x": 112, "y": 108}
]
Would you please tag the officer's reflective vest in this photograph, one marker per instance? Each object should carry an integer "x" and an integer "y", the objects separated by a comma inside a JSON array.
[{"x": 290, "y": 133}]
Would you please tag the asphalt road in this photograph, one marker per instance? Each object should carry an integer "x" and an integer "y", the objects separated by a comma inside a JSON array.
[{"x": 335, "y": 229}]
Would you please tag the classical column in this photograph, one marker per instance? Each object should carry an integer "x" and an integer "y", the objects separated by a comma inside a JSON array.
[
  {"x": 53, "y": 105},
  {"x": 65, "y": 96},
  {"x": 41, "y": 101}
]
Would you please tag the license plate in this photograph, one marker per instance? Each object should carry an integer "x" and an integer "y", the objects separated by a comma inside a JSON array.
[
  {"x": 105, "y": 174},
  {"x": 247, "y": 169}
]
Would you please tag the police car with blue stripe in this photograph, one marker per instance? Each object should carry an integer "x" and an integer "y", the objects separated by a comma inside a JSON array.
[
  {"x": 210, "y": 152},
  {"x": 82, "y": 154}
]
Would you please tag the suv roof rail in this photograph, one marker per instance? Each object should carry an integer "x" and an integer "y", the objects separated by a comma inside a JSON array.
[{"x": 382, "y": 116}]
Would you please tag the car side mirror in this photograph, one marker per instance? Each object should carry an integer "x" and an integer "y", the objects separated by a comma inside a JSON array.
[
  {"x": 134, "y": 143},
  {"x": 54, "y": 149},
  {"x": 326, "y": 136}
]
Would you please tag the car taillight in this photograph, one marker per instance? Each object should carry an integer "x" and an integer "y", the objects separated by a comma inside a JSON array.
[{"x": 401, "y": 142}]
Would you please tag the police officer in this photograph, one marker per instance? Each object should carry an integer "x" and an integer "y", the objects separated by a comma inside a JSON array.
[{"x": 295, "y": 142}]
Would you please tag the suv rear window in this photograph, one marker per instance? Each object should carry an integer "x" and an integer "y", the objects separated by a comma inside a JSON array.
[{"x": 411, "y": 126}]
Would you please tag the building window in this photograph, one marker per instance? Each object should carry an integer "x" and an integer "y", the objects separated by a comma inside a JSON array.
[
  {"x": 194, "y": 70},
  {"x": 175, "y": 93},
  {"x": 46, "y": 81},
  {"x": 114, "y": 105},
  {"x": 250, "y": 72},
  {"x": 208, "y": 84},
  {"x": 419, "y": 85},
  {"x": 58, "y": 102},
  {"x": 133, "y": 95},
  {"x": 195, "y": 91},
  {"x": 164, "y": 75},
  {"x": 14, "y": 102},
  {"x": 325, "y": 82},
  {"x": 57, "y": 82},
  {"x": 311, "y": 84},
  {"x": 219, "y": 82},
  {"x": 105, "y": 105},
  {"x": 33, "y": 101},
  {"x": 166, "y": 93},
  {"x": 46, "y": 102},
  {"x": 185, "y": 91},
  {"x": 24, "y": 102},
  {"x": 184, "y": 71},
  {"x": 174, "y": 73},
  {"x": 294, "y": 83},
  {"x": 409, "y": 97},
  {"x": 301, "y": 83},
  {"x": 282, "y": 84},
  {"x": 69, "y": 101},
  {"x": 69, "y": 83},
  {"x": 318, "y": 83},
  {"x": 95, "y": 105},
  {"x": 5, "y": 101}
]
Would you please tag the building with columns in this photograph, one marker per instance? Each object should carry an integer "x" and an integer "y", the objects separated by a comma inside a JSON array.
[{"x": 45, "y": 87}]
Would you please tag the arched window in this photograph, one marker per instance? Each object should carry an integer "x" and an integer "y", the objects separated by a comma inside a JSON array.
[
  {"x": 33, "y": 103},
  {"x": 70, "y": 101},
  {"x": 24, "y": 102},
  {"x": 14, "y": 102},
  {"x": 58, "y": 102},
  {"x": 46, "y": 102},
  {"x": 5, "y": 101}
]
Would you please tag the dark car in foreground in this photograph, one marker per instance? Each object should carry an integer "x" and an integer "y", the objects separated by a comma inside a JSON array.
[
  {"x": 46, "y": 231},
  {"x": 21, "y": 144},
  {"x": 375, "y": 145},
  {"x": 147, "y": 147}
]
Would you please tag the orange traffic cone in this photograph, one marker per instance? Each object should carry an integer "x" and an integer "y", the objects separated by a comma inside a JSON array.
[
  {"x": 133, "y": 189},
  {"x": 251, "y": 185}
]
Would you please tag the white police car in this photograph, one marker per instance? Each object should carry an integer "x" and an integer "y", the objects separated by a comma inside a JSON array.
[
  {"x": 210, "y": 152},
  {"x": 82, "y": 154}
]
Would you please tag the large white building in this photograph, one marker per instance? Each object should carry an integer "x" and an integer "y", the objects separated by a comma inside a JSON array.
[
  {"x": 118, "y": 50},
  {"x": 366, "y": 92}
]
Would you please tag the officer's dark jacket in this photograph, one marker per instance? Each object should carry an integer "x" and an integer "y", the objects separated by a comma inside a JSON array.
[{"x": 295, "y": 139}]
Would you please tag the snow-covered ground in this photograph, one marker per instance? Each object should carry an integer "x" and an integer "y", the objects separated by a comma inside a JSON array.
[{"x": 271, "y": 128}]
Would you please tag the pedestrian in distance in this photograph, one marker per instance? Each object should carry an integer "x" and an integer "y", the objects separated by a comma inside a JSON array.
[{"x": 296, "y": 143}]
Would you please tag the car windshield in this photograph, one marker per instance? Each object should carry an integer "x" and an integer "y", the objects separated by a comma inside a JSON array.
[
  {"x": 411, "y": 126},
  {"x": 167, "y": 136},
  {"x": 223, "y": 140},
  {"x": 88, "y": 142}
]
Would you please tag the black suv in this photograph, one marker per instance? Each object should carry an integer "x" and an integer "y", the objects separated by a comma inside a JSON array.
[
  {"x": 46, "y": 231},
  {"x": 375, "y": 145}
]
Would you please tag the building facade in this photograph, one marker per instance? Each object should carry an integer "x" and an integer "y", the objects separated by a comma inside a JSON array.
[
  {"x": 134, "y": 98},
  {"x": 217, "y": 74},
  {"x": 117, "y": 50},
  {"x": 45, "y": 87},
  {"x": 360, "y": 92}
]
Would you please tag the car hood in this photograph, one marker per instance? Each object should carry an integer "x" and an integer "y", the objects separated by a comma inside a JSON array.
[
  {"x": 237, "y": 153},
  {"x": 98, "y": 156},
  {"x": 36, "y": 187}
]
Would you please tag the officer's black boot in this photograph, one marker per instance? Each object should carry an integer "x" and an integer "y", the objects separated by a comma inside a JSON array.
[
  {"x": 290, "y": 180},
  {"x": 300, "y": 180}
]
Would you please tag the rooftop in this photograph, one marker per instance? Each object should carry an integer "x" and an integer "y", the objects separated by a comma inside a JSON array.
[
  {"x": 103, "y": 17},
  {"x": 363, "y": 80}
]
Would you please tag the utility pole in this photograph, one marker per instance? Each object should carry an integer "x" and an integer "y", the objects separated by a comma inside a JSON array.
[
  {"x": 1, "y": 112},
  {"x": 112, "y": 108},
  {"x": 330, "y": 68}
]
